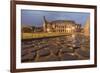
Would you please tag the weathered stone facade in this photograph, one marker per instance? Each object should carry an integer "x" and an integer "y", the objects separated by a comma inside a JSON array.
[{"x": 65, "y": 26}]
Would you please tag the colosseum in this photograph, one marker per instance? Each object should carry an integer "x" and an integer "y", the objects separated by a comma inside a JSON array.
[{"x": 61, "y": 26}]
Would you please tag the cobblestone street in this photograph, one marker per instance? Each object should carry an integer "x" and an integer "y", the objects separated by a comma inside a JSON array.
[{"x": 72, "y": 47}]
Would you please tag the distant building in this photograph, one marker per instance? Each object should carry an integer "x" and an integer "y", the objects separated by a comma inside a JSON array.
[
  {"x": 26, "y": 29},
  {"x": 86, "y": 28},
  {"x": 65, "y": 26},
  {"x": 31, "y": 29},
  {"x": 37, "y": 29}
]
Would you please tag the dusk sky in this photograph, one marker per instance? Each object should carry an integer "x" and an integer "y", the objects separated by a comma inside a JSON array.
[{"x": 35, "y": 17}]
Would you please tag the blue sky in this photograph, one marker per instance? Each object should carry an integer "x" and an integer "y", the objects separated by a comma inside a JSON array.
[{"x": 35, "y": 17}]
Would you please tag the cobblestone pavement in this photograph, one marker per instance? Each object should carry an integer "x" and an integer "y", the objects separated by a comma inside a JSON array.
[{"x": 73, "y": 47}]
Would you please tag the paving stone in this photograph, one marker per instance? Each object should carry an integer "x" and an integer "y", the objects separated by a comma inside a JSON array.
[
  {"x": 29, "y": 57},
  {"x": 83, "y": 53},
  {"x": 55, "y": 50},
  {"x": 67, "y": 50},
  {"x": 43, "y": 52},
  {"x": 48, "y": 58},
  {"x": 26, "y": 46},
  {"x": 24, "y": 52},
  {"x": 67, "y": 56},
  {"x": 26, "y": 42}
]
